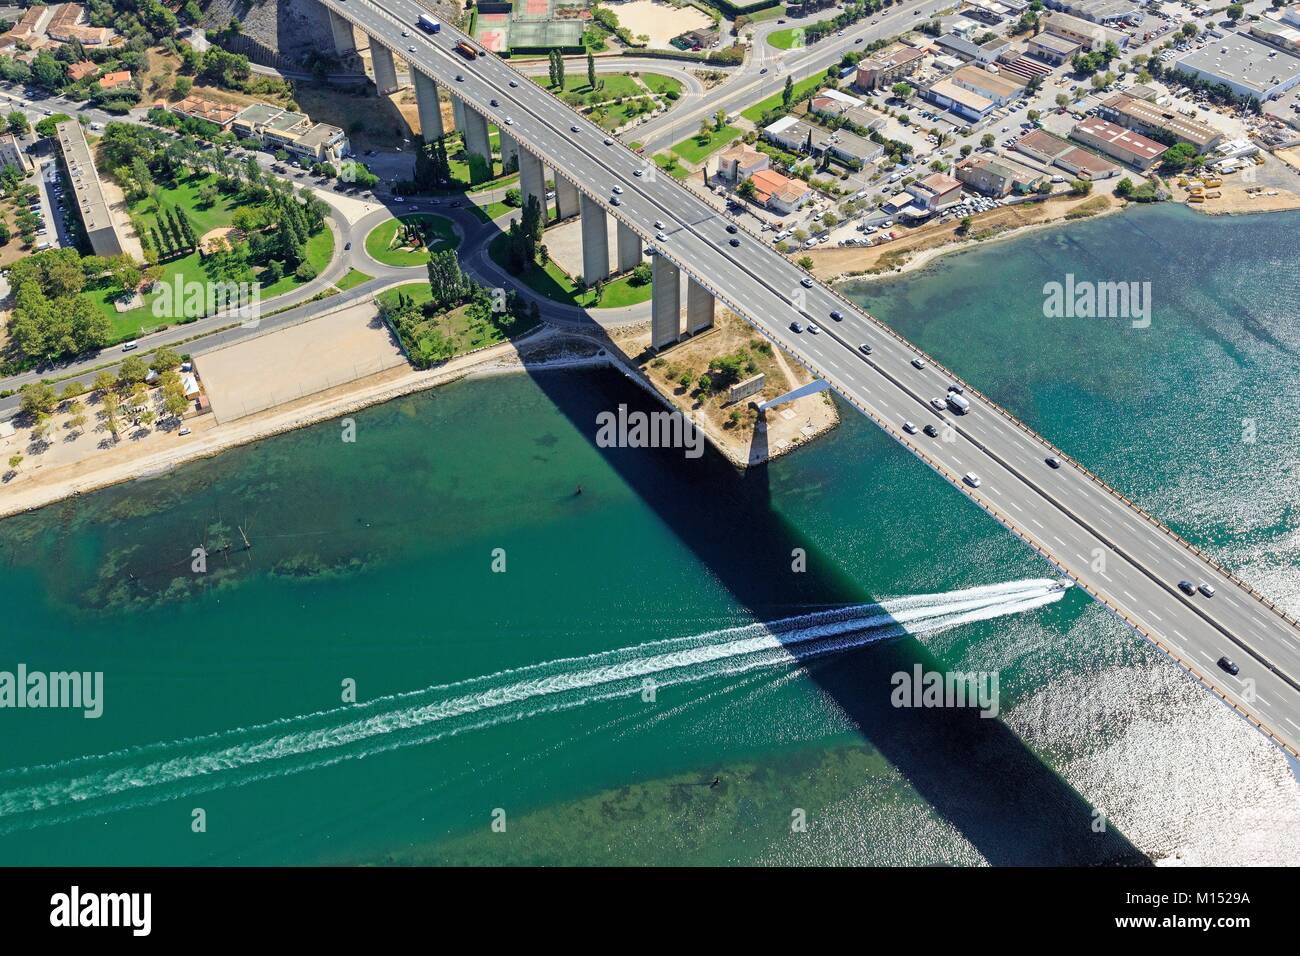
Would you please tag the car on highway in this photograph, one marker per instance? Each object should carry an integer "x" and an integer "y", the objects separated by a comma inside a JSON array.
[
  {"x": 813, "y": 328},
  {"x": 659, "y": 223},
  {"x": 1053, "y": 461},
  {"x": 347, "y": 246},
  {"x": 865, "y": 348},
  {"x": 971, "y": 479},
  {"x": 806, "y": 282},
  {"x": 130, "y": 346},
  {"x": 1187, "y": 587},
  {"x": 493, "y": 102},
  {"x": 1206, "y": 589},
  {"x": 617, "y": 188},
  {"x": 460, "y": 78},
  {"x": 762, "y": 71},
  {"x": 615, "y": 201},
  {"x": 1229, "y": 665},
  {"x": 918, "y": 363},
  {"x": 608, "y": 141},
  {"x": 734, "y": 242},
  {"x": 514, "y": 82},
  {"x": 837, "y": 315},
  {"x": 661, "y": 236},
  {"x": 937, "y": 404},
  {"x": 575, "y": 128},
  {"x": 956, "y": 390},
  {"x": 796, "y": 327},
  {"x": 510, "y": 121},
  {"x": 909, "y": 428},
  {"x": 732, "y": 228}
]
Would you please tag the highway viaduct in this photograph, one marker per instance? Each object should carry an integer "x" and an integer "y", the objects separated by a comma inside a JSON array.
[{"x": 1120, "y": 555}]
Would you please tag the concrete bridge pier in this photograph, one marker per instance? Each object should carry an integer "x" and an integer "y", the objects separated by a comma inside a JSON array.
[
  {"x": 629, "y": 249},
  {"x": 385, "y": 70},
  {"x": 426, "y": 101},
  {"x": 509, "y": 150},
  {"x": 478, "y": 141},
  {"x": 566, "y": 201},
  {"x": 532, "y": 179},
  {"x": 665, "y": 303},
  {"x": 699, "y": 307},
  {"x": 595, "y": 239},
  {"x": 345, "y": 43}
]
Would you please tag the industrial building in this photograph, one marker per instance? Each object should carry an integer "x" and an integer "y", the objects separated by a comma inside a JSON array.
[
  {"x": 1245, "y": 65},
  {"x": 1123, "y": 144},
  {"x": 1151, "y": 120}
]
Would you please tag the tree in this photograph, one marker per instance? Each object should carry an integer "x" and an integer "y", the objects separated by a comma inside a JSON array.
[
  {"x": 787, "y": 94},
  {"x": 1124, "y": 188},
  {"x": 747, "y": 189},
  {"x": 1236, "y": 11},
  {"x": 15, "y": 461},
  {"x": 901, "y": 90},
  {"x": 132, "y": 370},
  {"x": 17, "y": 123},
  {"x": 1080, "y": 187},
  {"x": 165, "y": 359},
  {"x": 591, "y": 71},
  {"x": 987, "y": 141},
  {"x": 805, "y": 262},
  {"x": 104, "y": 383},
  {"x": 1177, "y": 157},
  {"x": 37, "y": 398}
]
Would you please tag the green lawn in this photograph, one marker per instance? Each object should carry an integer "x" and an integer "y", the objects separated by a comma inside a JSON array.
[
  {"x": 785, "y": 39},
  {"x": 755, "y": 113},
  {"x": 555, "y": 284},
  {"x": 457, "y": 325},
  {"x": 204, "y": 218},
  {"x": 610, "y": 85},
  {"x": 669, "y": 163},
  {"x": 661, "y": 84},
  {"x": 694, "y": 151},
  {"x": 354, "y": 278},
  {"x": 380, "y": 242}
]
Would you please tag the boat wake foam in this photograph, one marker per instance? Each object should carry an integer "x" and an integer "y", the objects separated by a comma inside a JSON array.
[{"x": 139, "y": 776}]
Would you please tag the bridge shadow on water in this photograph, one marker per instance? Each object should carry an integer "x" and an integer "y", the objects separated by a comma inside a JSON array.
[{"x": 974, "y": 772}]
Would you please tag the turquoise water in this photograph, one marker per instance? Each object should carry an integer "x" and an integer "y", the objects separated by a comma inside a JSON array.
[{"x": 520, "y": 695}]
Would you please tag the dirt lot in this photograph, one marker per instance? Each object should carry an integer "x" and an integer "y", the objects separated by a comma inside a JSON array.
[
  {"x": 297, "y": 361},
  {"x": 744, "y": 441},
  {"x": 920, "y": 244},
  {"x": 659, "y": 21}
]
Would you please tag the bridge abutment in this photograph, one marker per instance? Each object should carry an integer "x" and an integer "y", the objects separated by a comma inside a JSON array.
[
  {"x": 345, "y": 42},
  {"x": 381, "y": 58}
]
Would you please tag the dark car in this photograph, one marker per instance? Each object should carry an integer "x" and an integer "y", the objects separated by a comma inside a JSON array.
[
  {"x": 865, "y": 348},
  {"x": 1229, "y": 665},
  {"x": 796, "y": 327},
  {"x": 493, "y": 103},
  {"x": 734, "y": 241},
  {"x": 931, "y": 431},
  {"x": 731, "y": 228},
  {"x": 1187, "y": 587},
  {"x": 837, "y": 315},
  {"x": 1053, "y": 461},
  {"x": 956, "y": 389}
]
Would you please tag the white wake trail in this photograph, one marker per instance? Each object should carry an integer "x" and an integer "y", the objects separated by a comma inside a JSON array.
[{"x": 45, "y": 794}]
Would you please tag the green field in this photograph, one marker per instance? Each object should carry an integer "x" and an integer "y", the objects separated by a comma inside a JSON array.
[
  {"x": 658, "y": 83},
  {"x": 755, "y": 113},
  {"x": 693, "y": 151},
  {"x": 553, "y": 283},
  {"x": 380, "y": 242},
  {"x": 671, "y": 165},
  {"x": 611, "y": 85}
]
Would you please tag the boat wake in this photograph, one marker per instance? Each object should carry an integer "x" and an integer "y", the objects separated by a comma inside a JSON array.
[{"x": 138, "y": 776}]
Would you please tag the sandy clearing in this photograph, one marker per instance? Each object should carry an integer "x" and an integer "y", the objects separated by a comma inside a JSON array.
[{"x": 659, "y": 21}]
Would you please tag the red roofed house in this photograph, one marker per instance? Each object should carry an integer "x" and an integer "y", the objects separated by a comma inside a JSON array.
[{"x": 779, "y": 193}]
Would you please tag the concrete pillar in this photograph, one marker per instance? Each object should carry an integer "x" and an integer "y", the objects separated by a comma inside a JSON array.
[
  {"x": 344, "y": 41},
  {"x": 426, "y": 100},
  {"x": 566, "y": 199},
  {"x": 629, "y": 249},
  {"x": 699, "y": 307},
  {"x": 595, "y": 239},
  {"x": 509, "y": 150},
  {"x": 385, "y": 71},
  {"x": 477, "y": 140},
  {"x": 665, "y": 303},
  {"x": 532, "y": 179},
  {"x": 458, "y": 113}
]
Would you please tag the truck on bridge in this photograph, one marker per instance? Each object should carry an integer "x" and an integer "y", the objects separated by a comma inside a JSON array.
[{"x": 428, "y": 24}]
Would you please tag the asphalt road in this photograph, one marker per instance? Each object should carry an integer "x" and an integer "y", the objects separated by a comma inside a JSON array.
[{"x": 1114, "y": 551}]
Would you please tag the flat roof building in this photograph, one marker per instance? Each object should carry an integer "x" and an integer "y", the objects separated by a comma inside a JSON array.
[
  {"x": 1245, "y": 65},
  {"x": 91, "y": 205},
  {"x": 997, "y": 176},
  {"x": 11, "y": 153},
  {"x": 1149, "y": 119},
  {"x": 1116, "y": 141},
  {"x": 1090, "y": 36},
  {"x": 888, "y": 66},
  {"x": 963, "y": 102}
]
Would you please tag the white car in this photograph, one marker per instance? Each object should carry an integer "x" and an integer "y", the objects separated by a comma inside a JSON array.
[
  {"x": 971, "y": 479},
  {"x": 909, "y": 428}
]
